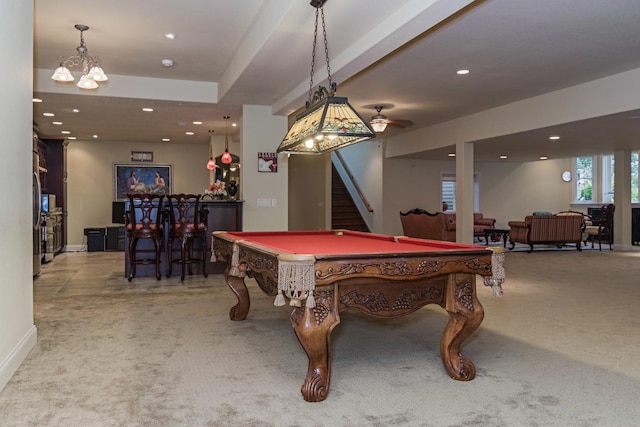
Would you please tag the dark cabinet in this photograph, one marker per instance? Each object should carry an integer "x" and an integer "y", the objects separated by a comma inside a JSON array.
[
  {"x": 595, "y": 213},
  {"x": 635, "y": 226},
  {"x": 223, "y": 216},
  {"x": 53, "y": 180},
  {"x": 114, "y": 240}
]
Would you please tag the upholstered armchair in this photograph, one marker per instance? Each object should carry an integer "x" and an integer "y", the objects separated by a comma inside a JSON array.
[
  {"x": 479, "y": 223},
  {"x": 425, "y": 225}
]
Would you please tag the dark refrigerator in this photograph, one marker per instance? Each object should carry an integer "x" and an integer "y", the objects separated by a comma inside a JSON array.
[{"x": 37, "y": 211}]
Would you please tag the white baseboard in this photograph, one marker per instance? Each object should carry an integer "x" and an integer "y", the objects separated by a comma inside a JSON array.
[{"x": 13, "y": 361}]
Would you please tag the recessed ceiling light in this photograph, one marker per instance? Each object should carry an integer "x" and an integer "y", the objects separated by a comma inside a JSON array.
[
  {"x": 66, "y": 132},
  {"x": 75, "y": 110},
  {"x": 95, "y": 136},
  {"x": 503, "y": 157},
  {"x": 234, "y": 124},
  {"x": 48, "y": 114},
  {"x": 554, "y": 137},
  {"x": 167, "y": 63},
  {"x": 37, "y": 100},
  {"x": 188, "y": 133},
  {"x": 452, "y": 154},
  {"x": 197, "y": 123},
  {"x": 71, "y": 137},
  {"x": 56, "y": 123},
  {"x": 147, "y": 109},
  {"x": 462, "y": 72},
  {"x": 543, "y": 157},
  {"x": 170, "y": 36},
  {"x": 165, "y": 140}
]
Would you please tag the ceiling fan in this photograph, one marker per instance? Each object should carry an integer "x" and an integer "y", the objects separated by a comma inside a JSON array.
[{"x": 379, "y": 122}]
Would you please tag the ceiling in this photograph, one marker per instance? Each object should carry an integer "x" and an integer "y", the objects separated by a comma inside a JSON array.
[{"x": 402, "y": 54}]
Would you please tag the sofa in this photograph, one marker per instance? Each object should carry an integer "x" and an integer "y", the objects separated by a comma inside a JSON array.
[
  {"x": 439, "y": 225},
  {"x": 558, "y": 229},
  {"x": 479, "y": 223},
  {"x": 426, "y": 225}
]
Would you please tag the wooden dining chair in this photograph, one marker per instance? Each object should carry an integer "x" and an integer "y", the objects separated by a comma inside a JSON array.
[
  {"x": 144, "y": 220},
  {"x": 601, "y": 227},
  {"x": 187, "y": 224}
]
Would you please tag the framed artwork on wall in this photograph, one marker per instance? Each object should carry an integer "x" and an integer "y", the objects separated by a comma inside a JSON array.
[
  {"x": 267, "y": 162},
  {"x": 141, "y": 178}
]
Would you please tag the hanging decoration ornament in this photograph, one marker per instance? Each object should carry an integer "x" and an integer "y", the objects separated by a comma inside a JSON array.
[
  {"x": 226, "y": 156},
  {"x": 211, "y": 164}
]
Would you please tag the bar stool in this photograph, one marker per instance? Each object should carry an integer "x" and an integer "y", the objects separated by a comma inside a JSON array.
[
  {"x": 143, "y": 220},
  {"x": 187, "y": 222}
]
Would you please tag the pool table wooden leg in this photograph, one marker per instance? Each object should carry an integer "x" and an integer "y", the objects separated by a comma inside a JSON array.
[
  {"x": 465, "y": 315},
  {"x": 237, "y": 285},
  {"x": 313, "y": 328}
]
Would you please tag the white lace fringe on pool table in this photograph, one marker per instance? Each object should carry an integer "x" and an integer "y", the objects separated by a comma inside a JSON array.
[
  {"x": 296, "y": 280},
  {"x": 497, "y": 272}
]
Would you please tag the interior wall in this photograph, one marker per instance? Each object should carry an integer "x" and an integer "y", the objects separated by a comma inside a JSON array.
[
  {"x": 265, "y": 193},
  {"x": 511, "y": 191},
  {"x": 307, "y": 190},
  {"x": 508, "y": 191},
  {"x": 90, "y": 187},
  {"x": 18, "y": 332}
]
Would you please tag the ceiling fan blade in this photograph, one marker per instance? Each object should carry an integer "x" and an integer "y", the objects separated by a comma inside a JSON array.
[{"x": 400, "y": 123}]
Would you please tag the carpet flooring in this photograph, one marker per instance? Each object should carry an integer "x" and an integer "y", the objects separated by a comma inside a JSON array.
[{"x": 559, "y": 348}]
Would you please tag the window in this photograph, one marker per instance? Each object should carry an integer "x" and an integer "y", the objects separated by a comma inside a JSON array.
[
  {"x": 598, "y": 172},
  {"x": 449, "y": 191},
  {"x": 608, "y": 178},
  {"x": 634, "y": 177},
  {"x": 584, "y": 179}
]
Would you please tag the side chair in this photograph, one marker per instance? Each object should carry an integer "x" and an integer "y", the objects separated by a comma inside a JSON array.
[
  {"x": 144, "y": 220},
  {"x": 187, "y": 223},
  {"x": 602, "y": 227}
]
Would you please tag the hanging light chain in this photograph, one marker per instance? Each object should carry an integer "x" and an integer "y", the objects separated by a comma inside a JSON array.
[
  {"x": 326, "y": 50},
  {"x": 321, "y": 92},
  {"x": 313, "y": 58},
  {"x": 226, "y": 132}
]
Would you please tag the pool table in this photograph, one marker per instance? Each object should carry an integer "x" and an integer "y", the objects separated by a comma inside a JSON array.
[{"x": 323, "y": 273}]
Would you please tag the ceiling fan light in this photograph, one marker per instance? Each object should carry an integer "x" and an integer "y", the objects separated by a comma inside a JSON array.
[
  {"x": 87, "y": 83},
  {"x": 378, "y": 125},
  {"x": 62, "y": 74}
]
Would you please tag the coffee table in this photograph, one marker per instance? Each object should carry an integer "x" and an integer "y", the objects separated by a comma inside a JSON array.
[{"x": 500, "y": 232}]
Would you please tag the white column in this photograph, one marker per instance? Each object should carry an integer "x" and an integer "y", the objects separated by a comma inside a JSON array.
[
  {"x": 18, "y": 332},
  {"x": 622, "y": 200},
  {"x": 464, "y": 192}
]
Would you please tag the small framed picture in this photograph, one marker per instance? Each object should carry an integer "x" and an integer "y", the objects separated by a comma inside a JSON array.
[
  {"x": 267, "y": 162},
  {"x": 142, "y": 156}
]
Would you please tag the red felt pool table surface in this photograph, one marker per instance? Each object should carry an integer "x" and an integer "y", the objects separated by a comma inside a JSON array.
[{"x": 345, "y": 242}]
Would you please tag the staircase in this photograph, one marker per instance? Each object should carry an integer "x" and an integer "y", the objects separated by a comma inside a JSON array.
[{"x": 344, "y": 213}]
